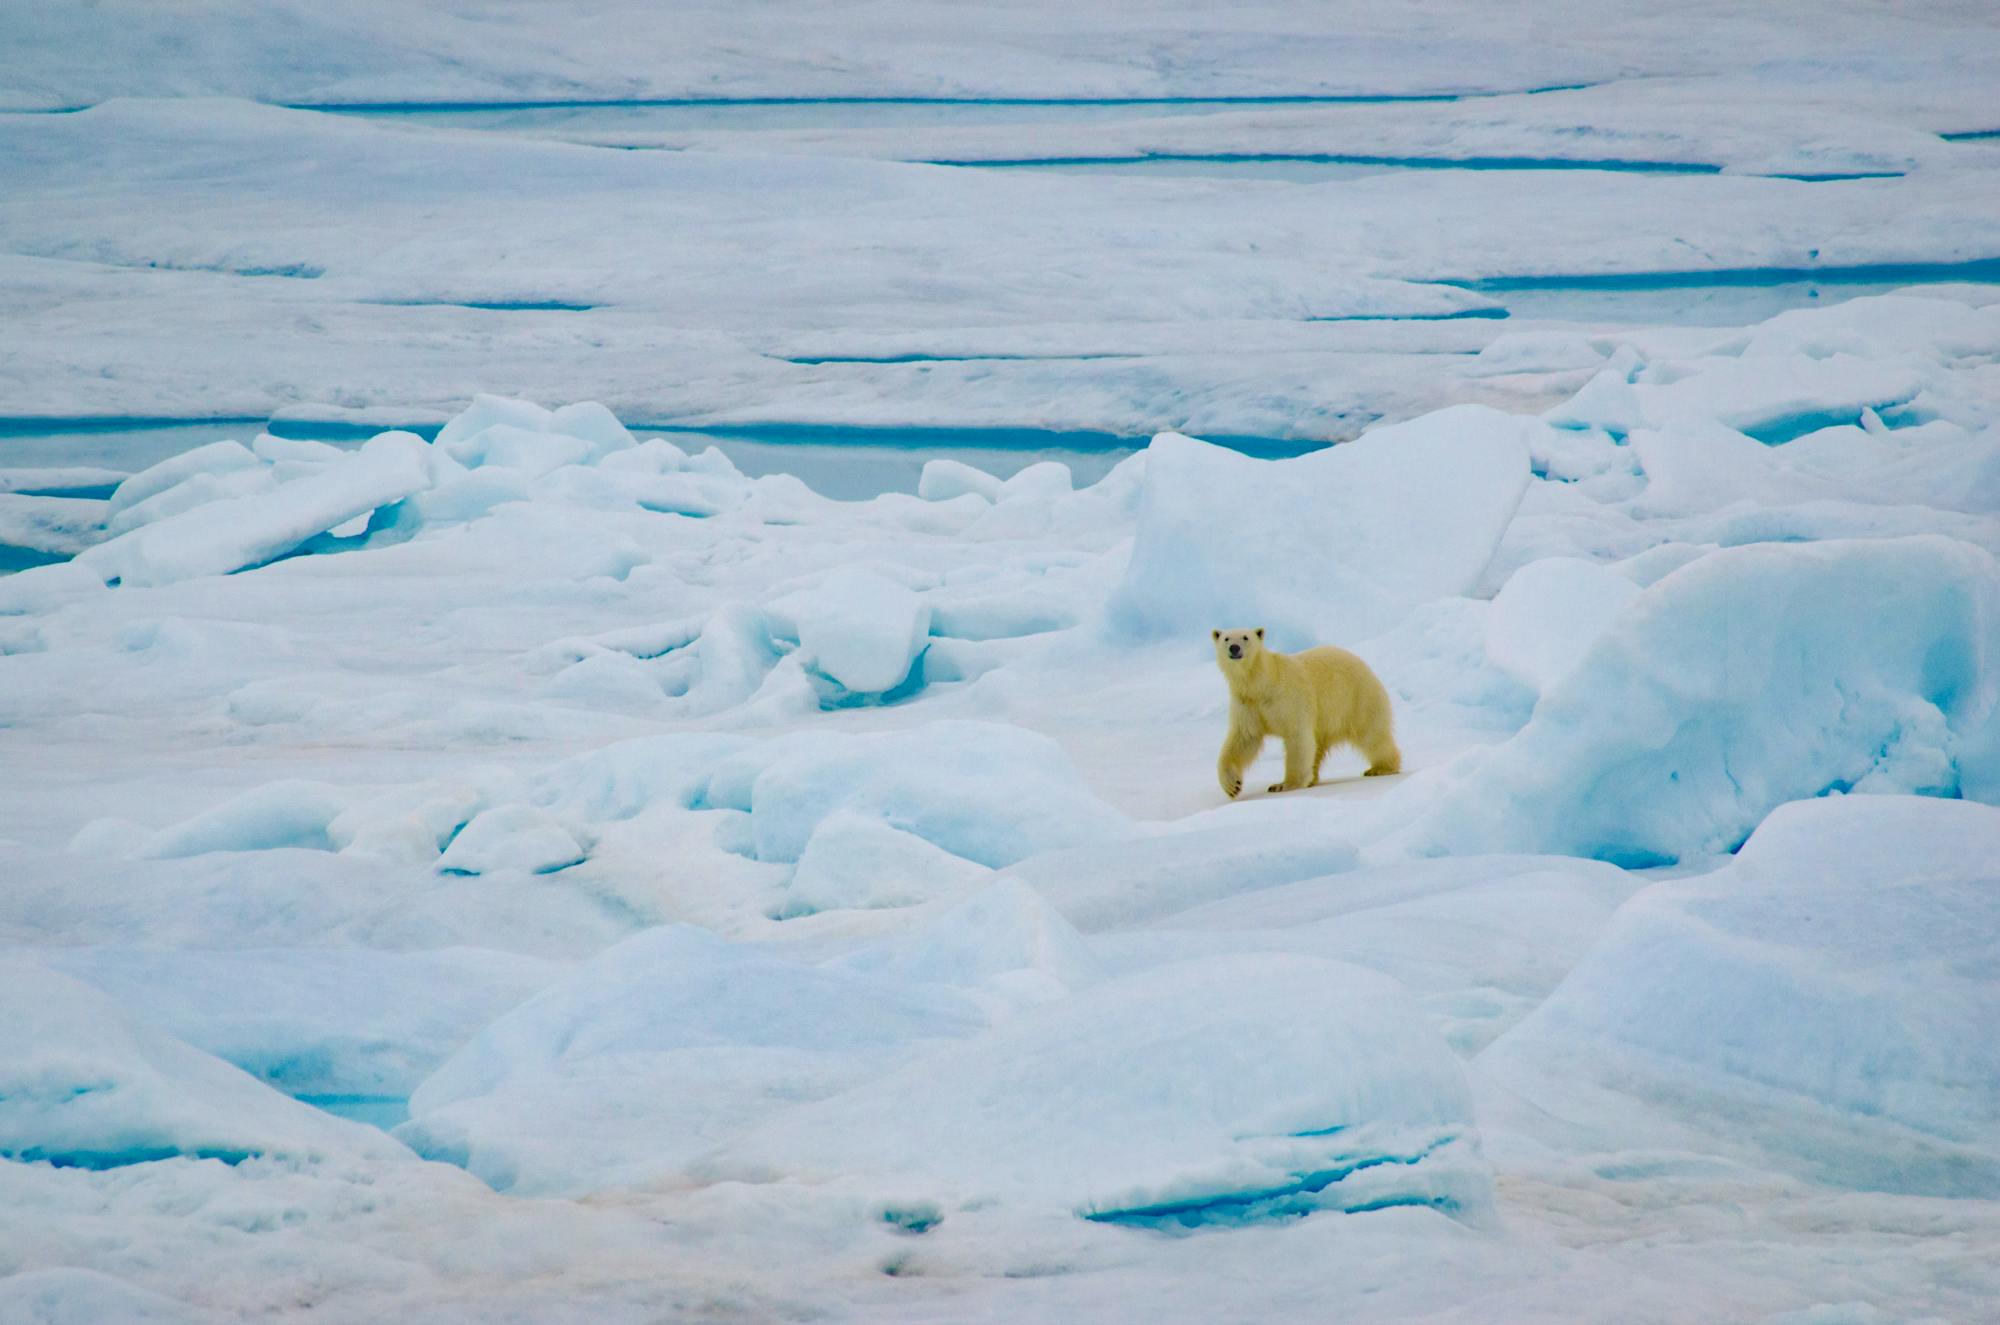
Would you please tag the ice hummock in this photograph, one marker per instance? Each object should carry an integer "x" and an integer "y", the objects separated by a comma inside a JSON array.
[
  {"x": 1167, "y": 1099},
  {"x": 647, "y": 1053},
  {"x": 1751, "y": 677},
  {"x": 85, "y": 1084},
  {"x": 1823, "y": 1000},
  {"x": 1334, "y": 546}
]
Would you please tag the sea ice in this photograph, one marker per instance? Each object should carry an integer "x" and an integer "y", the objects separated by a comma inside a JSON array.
[
  {"x": 315, "y": 1022},
  {"x": 1003, "y": 937},
  {"x": 1748, "y": 678},
  {"x": 1548, "y": 614},
  {"x": 859, "y": 629},
  {"x": 1826, "y": 998},
  {"x": 1171, "y": 1098},
  {"x": 84, "y": 1083},
  {"x": 1331, "y": 547},
  {"x": 511, "y": 837},
  {"x": 230, "y": 533},
  {"x": 61, "y": 526},
  {"x": 625, "y": 1069},
  {"x": 858, "y": 860},
  {"x": 67, "y": 1295},
  {"x": 989, "y": 793}
]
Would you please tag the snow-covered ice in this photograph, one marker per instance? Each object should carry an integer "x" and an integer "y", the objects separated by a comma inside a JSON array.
[
  {"x": 606, "y": 711},
  {"x": 1827, "y": 997},
  {"x": 1337, "y": 545},
  {"x": 89, "y": 1085},
  {"x": 1751, "y": 677}
]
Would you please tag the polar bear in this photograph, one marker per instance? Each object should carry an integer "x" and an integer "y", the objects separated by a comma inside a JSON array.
[{"x": 1312, "y": 701}]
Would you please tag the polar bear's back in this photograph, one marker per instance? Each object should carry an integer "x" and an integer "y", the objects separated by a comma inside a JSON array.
[{"x": 1350, "y": 702}]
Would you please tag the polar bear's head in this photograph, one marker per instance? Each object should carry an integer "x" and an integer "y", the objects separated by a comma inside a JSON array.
[{"x": 1237, "y": 648}]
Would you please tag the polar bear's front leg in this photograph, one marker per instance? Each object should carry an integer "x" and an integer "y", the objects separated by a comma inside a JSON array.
[
  {"x": 1239, "y": 748},
  {"x": 1299, "y": 771}
]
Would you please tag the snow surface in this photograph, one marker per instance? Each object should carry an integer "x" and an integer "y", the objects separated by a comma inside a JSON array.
[
  {"x": 87, "y": 1085},
  {"x": 747, "y": 888},
  {"x": 1833, "y": 982}
]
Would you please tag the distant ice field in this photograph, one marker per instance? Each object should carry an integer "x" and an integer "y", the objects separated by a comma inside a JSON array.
[{"x": 844, "y": 464}]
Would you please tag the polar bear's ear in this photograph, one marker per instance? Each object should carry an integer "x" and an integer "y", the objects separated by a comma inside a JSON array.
[
  {"x": 1215, "y": 634},
  {"x": 1260, "y": 632}
]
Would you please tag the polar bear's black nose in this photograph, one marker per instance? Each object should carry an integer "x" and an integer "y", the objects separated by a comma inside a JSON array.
[{"x": 1236, "y": 650}]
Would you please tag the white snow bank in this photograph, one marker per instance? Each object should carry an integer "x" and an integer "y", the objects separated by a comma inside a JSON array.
[
  {"x": 1549, "y": 613},
  {"x": 224, "y": 507},
  {"x": 83, "y": 1083},
  {"x": 332, "y": 1021},
  {"x": 943, "y": 480},
  {"x": 195, "y": 490},
  {"x": 648, "y": 1053},
  {"x": 292, "y": 898},
  {"x": 1002, "y": 614},
  {"x": 1867, "y": 359},
  {"x": 625, "y": 778},
  {"x": 1175, "y": 1098},
  {"x": 990, "y": 793},
  {"x": 1333, "y": 546},
  {"x": 1829, "y": 998},
  {"x": 1750, "y": 677},
  {"x": 1772, "y": 397}
]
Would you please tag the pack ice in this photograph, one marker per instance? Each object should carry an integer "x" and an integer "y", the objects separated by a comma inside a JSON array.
[{"x": 771, "y": 892}]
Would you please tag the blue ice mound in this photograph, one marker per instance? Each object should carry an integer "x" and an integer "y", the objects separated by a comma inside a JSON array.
[
  {"x": 1751, "y": 677},
  {"x": 858, "y": 629},
  {"x": 1827, "y": 999}
]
